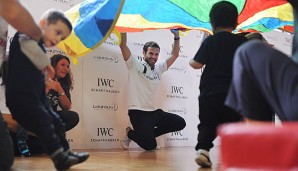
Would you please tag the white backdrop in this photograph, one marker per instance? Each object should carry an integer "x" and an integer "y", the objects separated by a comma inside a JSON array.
[{"x": 101, "y": 81}]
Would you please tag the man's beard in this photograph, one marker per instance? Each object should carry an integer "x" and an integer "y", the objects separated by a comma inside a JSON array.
[{"x": 149, "y": 63}]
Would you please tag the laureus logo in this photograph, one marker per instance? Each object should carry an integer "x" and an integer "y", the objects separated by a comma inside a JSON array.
[
  {"x": 111, "y": 107},
  {"x": 181, "y": 69},
  {"x": 65, "y": 2},
  {"x": 113, "y": 58},
  {"x": 55, "y": 51},
  {"x": 181, "y": 111}
]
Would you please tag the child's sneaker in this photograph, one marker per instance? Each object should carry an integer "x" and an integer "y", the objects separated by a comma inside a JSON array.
[
  {"x": 23, "y": 148},
  {"x": 203, "y": 159},
  {"x": 125, "y": 142}
]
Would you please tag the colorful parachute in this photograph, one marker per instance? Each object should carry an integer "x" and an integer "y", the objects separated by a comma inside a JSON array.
[
  {"x": 93, "y": 20},
  {"x": 254, "y": 15}
]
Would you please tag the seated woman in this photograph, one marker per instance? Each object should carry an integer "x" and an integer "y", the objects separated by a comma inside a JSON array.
[{"x": 58, "y": 91}]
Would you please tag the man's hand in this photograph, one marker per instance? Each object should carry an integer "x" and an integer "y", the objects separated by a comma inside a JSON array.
[{"x": 175, "y": 32}]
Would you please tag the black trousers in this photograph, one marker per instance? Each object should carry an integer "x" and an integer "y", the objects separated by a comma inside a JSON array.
[
  {"x": 70, "y": 118},
  {"x": 149, "y": 125},
  {"x": 212, "y": 113}
]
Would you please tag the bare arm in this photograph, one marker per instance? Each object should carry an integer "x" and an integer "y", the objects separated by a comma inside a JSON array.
[
  {"x": 175, "y": 50},
  {"x": 12, "y": 125},
  {"x": 123, "y": 46},
  {"x": 64, "y": 102},
  {"x": 18, "y": 17},
  {"x": 195, "y": 65}
]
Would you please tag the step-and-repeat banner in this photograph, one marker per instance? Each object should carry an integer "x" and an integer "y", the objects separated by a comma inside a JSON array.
[{"x": 101, "y": 84}]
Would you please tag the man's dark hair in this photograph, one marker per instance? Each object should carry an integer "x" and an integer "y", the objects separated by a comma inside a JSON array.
[
  {"x": 223, "y": 14},
  {"x": 150, "y": 44}
]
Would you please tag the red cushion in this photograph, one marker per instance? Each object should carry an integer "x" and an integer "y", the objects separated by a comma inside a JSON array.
[{"x": 259, "y": 146}]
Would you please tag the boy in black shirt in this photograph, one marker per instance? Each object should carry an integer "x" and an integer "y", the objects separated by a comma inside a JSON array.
[{"x": 217, "y": 54}]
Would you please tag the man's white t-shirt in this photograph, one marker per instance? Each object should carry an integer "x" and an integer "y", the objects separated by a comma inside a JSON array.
[
  {"x": 143, "y": 83},
  {"x": 3, "y": 38}
]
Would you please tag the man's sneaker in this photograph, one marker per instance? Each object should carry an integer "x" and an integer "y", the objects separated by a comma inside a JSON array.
[
  {"x": 23, "y": 148},
  {"x": 125, "y": 142},
  {"x": 82, "y": 156},
  {"x": 157, "y": 148},
  {"x": 63, "y": 160},
  {"x": 203, "y": 159}
]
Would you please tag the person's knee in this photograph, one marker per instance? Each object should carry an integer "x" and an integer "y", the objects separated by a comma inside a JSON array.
[
  {"x": 74, "y": 118},
  {"x": 7, "y": 157},
  {"x": 181, "y": 124},
  {"x": 149, "y": 147},
  {"x": 148, "y": 143},
  {"x": 7, "y": 154},
  {"x": 6, "y": 164},
  {"x": 70, "y": 118}
]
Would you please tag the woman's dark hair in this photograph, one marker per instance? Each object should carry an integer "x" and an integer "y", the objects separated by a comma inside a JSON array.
[
  {"x": 223, "y": 14},
  {"x": 3, "y": 72},
  {"x": 68, "y": 77}
]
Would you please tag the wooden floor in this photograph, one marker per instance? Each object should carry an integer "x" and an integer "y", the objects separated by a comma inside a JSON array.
[{"x": 165, "y": 159}]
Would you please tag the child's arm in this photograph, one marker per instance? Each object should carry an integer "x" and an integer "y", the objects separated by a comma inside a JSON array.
[
  {"x": 34, "y": 52},
  {"x": 195, "y": 65},
  {"x": 50, "y": 72}
]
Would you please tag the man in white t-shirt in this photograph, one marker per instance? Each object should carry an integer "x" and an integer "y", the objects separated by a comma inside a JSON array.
[{"x": 148, "y": 122}]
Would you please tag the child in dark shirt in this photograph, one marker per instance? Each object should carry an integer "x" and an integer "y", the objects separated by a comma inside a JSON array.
[
  {"x": 217, "y": 54},
  {"x": 25, "y": 88}
]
